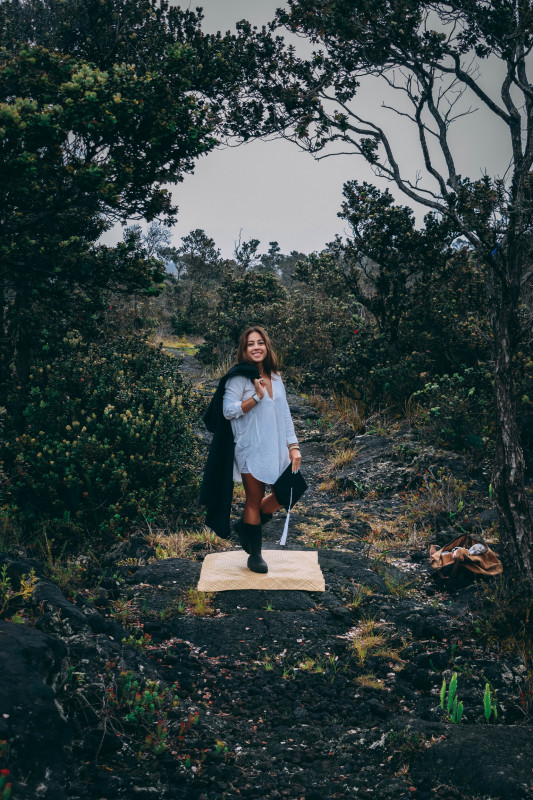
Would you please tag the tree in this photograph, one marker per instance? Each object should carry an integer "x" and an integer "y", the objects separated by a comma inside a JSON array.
[
  {"x": 246, "y": 255},
  {"x": 92, "y": 128},
  {"x": 270, "y": 261},
  {"x": 429, "y": 54},
  {"x": 386, "y": 255},
  {"x": 173, "y": 262},
  {"x": 249, "y": 299},
  {"x": 156, "y": 240},
  {"x": 418, "y": 311},
  {"x": 200, "y": 258}
]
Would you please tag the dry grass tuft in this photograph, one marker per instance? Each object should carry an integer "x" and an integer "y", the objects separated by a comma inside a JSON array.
[
  {"x": 219, "y": 370},
  {"x": 397, "y": 586},
  {"x": 369, "y": 681},
  {"x": 314, "y": 535},
  {"x": 180, "y": 543},
  {"x": 341, "y": 459},
  {"x": 338, "y": 410},
  {"x": 356, "y": 595},
  {"x": 348, "y": 411},
  {"x": 366, "y": 640}
]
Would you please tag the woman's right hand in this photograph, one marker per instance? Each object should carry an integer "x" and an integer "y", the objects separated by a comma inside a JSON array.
[{"x": 259, "y": 387}]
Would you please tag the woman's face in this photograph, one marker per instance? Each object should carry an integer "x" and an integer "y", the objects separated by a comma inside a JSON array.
[{"x": 256, "y": 348}]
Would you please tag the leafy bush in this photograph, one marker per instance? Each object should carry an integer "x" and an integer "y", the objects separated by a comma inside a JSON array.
[
  {"x": 308, "y": 329},
  {"x": 457, "y": 409},
  {"x": 193, "y": 306},
  {"x": 254, "y": 299},
  {"x": 104, "y": 440},
  {"x": 437, "y": 361},
  {"x": 311, "y": 333}
]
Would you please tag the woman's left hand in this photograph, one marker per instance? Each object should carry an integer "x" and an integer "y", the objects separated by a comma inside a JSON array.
[{"x": 296, "y": 458}]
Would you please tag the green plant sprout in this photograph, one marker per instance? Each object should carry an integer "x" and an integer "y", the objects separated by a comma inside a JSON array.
[
  {"x": 454, "y": 708},
  {"x": 490, "y": 704},
  {"x": 460, "y": 506},
  {"x": 221, "y": 748},
  {"x": 141, "y": 643}
]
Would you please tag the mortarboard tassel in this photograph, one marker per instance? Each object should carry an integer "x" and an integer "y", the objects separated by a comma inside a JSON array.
[{"x": 283, "y": 540}]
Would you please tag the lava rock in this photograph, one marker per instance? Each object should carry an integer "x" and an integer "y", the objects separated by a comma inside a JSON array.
[
  {"x": 477, "y": 758},
  {"x": 53, "y": 600},
  {"x": 32, "y": 721}
]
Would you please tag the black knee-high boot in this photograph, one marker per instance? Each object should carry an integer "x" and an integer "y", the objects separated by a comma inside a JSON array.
[
  {"x": 240, "y": 529},
  {"x": 255, "y": 562}
]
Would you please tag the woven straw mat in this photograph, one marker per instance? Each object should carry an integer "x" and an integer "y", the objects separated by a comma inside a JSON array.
[{"x": 287, "y": 569}]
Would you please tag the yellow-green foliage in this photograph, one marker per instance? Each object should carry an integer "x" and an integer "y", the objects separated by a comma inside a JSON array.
[
  {"x": 107, "y": 440},
  {"x": 7, "y": 593},
  {"x": 199, "y": 603},
  {"x": 342, "y": 458},
  {"x": 179, "y": 343}
]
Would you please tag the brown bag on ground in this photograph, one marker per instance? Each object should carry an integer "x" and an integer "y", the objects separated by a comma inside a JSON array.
[{"x": 458, "y": 553}]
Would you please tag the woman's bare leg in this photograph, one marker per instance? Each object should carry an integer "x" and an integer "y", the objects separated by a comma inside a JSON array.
[
  {"x": 254, "y": 491},
  {"x": 270, "y": 504}
]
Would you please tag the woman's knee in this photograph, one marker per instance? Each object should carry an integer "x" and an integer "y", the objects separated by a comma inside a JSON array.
[
  {"x": 252, "y": 504},
  {"x": 254, "y": 491}
]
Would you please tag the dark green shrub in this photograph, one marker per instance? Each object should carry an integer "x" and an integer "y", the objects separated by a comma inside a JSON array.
[
  {"x": 105, "y": 441},
  {"x": 440, "y": 329},
  {"x": 457, "y": 409},
  {"x": 254, "y": 299},
  {"x": 193, "y": 307},
  {"x": 311, "y": 333},
  {"x": 308, "y": 329}
]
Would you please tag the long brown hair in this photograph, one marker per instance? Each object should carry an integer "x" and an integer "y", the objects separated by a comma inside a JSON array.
[{"x": 270, "y": 363}]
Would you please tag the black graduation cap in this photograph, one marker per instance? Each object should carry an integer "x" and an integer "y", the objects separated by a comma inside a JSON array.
[{"x": 289, "y": 487}]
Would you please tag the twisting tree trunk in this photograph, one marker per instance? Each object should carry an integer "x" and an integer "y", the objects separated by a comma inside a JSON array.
[
  {"x": 505, "y": 286},
  {"x": 516, "y": 529}
]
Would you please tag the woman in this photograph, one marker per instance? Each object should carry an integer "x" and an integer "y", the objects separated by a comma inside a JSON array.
[
  {"x": 265, "y": 442},
  {"x": 261, "y": 442}
]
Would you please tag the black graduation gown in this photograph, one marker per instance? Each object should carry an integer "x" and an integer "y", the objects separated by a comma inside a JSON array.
[{"x": 216, "y": 491}]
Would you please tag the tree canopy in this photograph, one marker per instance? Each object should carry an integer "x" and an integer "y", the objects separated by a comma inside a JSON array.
[{"x": 102, "y": 105}]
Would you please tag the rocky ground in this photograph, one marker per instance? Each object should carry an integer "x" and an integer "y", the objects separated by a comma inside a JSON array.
[{"x": 133, "y": 685}]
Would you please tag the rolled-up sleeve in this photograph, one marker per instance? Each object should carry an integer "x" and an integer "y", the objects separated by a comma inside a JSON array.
[{"x": 233, "y": 396}]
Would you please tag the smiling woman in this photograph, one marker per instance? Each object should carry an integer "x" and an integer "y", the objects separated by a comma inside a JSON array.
[{"x": 254, "y": 442}]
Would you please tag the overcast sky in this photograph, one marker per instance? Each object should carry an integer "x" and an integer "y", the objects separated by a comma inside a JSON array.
[
  {"x": 274, "y": 191},
  {"x": 271, "y": 190}
]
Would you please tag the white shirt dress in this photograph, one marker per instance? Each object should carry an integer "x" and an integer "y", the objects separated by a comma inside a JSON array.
[{"x": 263, "y": 433}]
